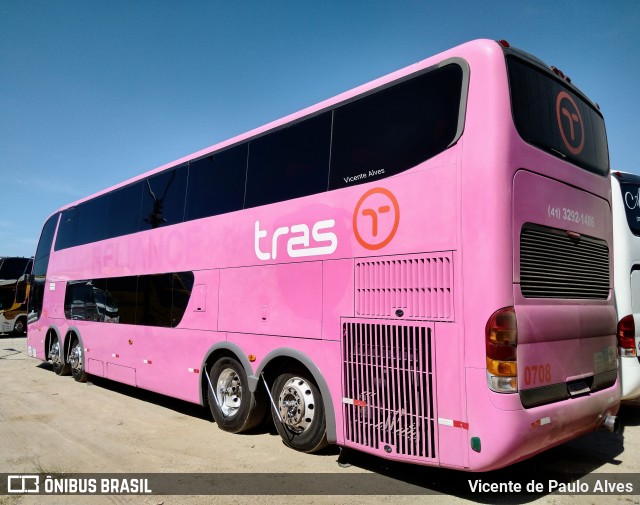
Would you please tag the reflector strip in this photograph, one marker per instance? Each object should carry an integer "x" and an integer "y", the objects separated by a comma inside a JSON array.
[
  {"x": 541, "y": 422},
  {"x": 357, "y": 403},
  {"x": 193, "y": 370},
  {"x": 453, "y": 423}
]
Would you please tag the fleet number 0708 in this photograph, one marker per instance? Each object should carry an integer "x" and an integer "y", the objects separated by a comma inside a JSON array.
[
  {"x": 571, "y": 215},
  {"x": 537, "y": 374}
]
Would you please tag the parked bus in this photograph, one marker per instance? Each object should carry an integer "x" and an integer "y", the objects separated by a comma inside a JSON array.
[
  {"x": 418, "y": 268},
  {"x": 14, "y": 290},
  {"x": 625, "y": 189}
]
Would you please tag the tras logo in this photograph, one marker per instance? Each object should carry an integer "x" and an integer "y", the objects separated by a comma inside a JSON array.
[
  {"x": 298, "y": 238},
  {"x": 375, "y": 221}
]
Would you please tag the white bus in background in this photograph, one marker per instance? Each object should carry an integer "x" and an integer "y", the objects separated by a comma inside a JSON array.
[{"x": 625, "y": 199}]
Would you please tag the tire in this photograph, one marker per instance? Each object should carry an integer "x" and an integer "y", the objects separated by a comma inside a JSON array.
[
  {"x": 20, "y": 327},
  {"x": 56, "y": 357},
  {"x": 76, "y": 361},
  {"x": 299, "y": 403},
  {"x": 234, "y": 407}
]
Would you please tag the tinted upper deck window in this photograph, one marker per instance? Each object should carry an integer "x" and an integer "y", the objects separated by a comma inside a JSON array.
[
  {"x": 123, "y": 210},
  {"x": 550, "y": 115},
  {"x": 41, "y": 261},
  {"x": 41, "y": 265},
  {"x": 216, "y": 183},
  {"x": 83, "y": 224},
  {"x": 289, "y": 163},
  {"x": 396, "y": 128},
  {"x": 163, "y": 197}
]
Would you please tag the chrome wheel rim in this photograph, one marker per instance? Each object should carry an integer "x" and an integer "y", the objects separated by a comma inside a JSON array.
[
  {"x": 75, "y": 358},
  {"x": 229, "y": 392},
  {"x": 54, "y": 353},
  {"x": 296, "y": 405}
]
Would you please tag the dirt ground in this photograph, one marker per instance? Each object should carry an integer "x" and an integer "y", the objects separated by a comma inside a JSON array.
[{"x": 54, "y": 425}]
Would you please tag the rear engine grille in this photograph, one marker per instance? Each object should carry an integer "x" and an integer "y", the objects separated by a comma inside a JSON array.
[
  {"x": 389, "y": 387},
  {"x": 555, "y": 265}
]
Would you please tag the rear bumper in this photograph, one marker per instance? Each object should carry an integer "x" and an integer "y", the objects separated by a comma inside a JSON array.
[{"x": 510, "y": 433}]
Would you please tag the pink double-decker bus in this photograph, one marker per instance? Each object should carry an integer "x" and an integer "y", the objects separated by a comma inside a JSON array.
[{"x": 418, "y": 268}]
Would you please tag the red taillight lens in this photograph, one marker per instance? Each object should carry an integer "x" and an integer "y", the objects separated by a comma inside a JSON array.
[
  {"x": 504, "y": 43},
  {"x": 501, "y": 352},
  {"x": 502, "y": 328},
  {"x": 627, "y": 336},
  {"x": 501, "y": 339}
]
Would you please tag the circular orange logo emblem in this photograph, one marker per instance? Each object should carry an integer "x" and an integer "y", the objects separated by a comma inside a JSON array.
[
  {"x": 376, "y": 218},
  {"x": 570, "y": 123}
]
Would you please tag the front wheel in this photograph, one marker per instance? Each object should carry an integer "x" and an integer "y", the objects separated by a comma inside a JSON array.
[
  {"x": 233, "y": 406},
  {"x": 76, "y": 360},
  {"x": 302, "y": 423}
]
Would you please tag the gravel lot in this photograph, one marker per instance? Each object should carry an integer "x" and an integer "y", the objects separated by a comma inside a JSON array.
[{"x": 54, "y": 425}]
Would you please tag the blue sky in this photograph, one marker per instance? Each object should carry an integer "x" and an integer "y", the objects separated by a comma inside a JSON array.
[{"x": 93, "y": 92}]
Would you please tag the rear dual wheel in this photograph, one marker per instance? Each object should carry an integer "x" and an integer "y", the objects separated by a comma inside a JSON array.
[
  {"x": 76, "y": 361},
  {"x": 55, "y": 355},
  {"x": 300, "y": 417}
]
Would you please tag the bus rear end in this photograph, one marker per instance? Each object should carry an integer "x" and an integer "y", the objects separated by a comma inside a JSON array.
[
  {"x": 565, "y": 321},
  {"x": 550, "y": 328}
]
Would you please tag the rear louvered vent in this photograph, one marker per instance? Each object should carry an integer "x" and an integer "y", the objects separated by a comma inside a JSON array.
[
  {"x": 389, "y": 386},
  {"x": 554, "y": 264},
  {"x": 420, "y": 286}
]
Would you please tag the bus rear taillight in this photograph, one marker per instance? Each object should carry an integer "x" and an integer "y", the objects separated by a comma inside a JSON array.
[
  {"x": 627, "y": 336},
  {"x": 501, "y": 336}
]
